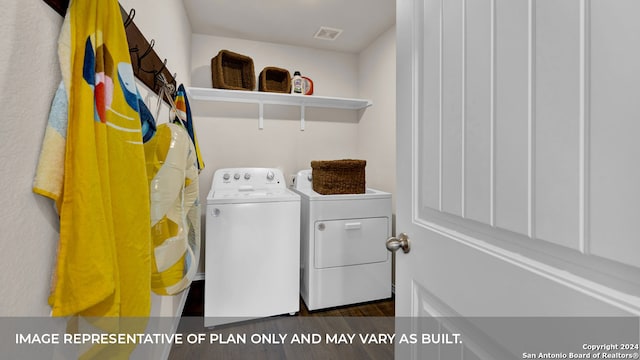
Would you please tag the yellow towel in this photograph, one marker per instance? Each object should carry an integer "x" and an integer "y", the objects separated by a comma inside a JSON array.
[{"x": 103, "y": 265}]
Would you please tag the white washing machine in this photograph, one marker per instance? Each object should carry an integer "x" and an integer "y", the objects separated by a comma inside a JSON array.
[
  {"x": 252, "y": 246},
  {"x": 343, "y": 257}
]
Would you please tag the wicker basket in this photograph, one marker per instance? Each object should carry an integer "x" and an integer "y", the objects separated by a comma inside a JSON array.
[
  {"x": 232, "y": 71},
  {"x": 273, "y": 79},
  {"x": 339, "y": 176}
]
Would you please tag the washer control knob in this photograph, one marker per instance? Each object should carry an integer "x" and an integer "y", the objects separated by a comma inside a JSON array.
[
  {"x": 270, "y": 175},
  {"x": 247, "y": 176},
  {"x": 226, "y": 176},
  {"x": 236, "y": 176}
]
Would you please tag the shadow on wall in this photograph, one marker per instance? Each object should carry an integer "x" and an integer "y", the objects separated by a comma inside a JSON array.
[{"x": 229, "y": 110}]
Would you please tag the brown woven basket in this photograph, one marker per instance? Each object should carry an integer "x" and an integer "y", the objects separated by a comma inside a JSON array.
[
  {"x": 274, "y": 79},
  {"x": 232, "y": 71},
  {"x": 339, "y": 176}
]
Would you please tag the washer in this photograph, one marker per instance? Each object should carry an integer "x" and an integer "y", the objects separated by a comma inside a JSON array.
[
  {"x": 252, "y": 251},
  {"x": 343, "y": 258}
]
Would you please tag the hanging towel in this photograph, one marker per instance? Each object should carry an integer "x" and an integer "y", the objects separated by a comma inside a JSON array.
[
  {"x": 50, "y": 171},
  {"x": 183, "y": 117},
  {"x": 175, "y": 209},
  {"x": 147, "y": 122},
  {"x": 103, "y": 264}
]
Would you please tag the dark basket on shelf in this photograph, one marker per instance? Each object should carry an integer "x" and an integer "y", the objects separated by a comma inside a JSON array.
[
  {"x": 232, "y": 71},
  {"x": 274, "y": 79},
  {"x": 339, "y": 176}
]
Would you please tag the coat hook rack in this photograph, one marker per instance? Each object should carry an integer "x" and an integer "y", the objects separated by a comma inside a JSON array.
[
  {"x": 132, "y": 14},
  {"x": 150, "y": 63}
]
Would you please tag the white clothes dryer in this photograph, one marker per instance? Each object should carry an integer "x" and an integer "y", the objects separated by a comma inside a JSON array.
[
  {"x": 252, "y": 250},
  {"x": 343, "y": 257}
]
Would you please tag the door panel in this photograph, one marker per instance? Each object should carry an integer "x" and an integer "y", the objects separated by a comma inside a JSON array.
[
  {"x": 516, "y": 150},
  {"x": 556, "y": 118},
  {"x": 452, "y": 107},
  {"x": 478, "y": 112},
  {"x": 614, "y": 149},
  {"x": 510, "y": 30},
  {"x": 428, "y": 68}
]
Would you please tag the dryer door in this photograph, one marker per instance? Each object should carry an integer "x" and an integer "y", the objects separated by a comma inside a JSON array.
[{"x": 350, "y": 242}]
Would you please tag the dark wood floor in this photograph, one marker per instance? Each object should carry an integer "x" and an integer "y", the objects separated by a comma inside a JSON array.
[
  {"x": 376, "y": 317},
  {"x": 194, "y": 306}
]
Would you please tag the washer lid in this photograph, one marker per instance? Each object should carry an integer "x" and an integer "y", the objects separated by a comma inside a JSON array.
[{"x": 251, "y": 196}]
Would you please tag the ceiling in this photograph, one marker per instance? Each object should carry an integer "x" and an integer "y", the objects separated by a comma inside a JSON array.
[{"x": 294, "y": 22}]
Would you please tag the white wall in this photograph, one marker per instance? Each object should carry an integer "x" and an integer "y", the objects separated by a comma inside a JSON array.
[
  {"x": 29, "y": 76},
  {"x": 334, "y": 73},
  {"x": 377, "y": 127},
  {"x": 229, "y": 134}
]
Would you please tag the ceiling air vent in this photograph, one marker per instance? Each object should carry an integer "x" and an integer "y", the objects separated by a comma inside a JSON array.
[{"x": 327, "y": 33}]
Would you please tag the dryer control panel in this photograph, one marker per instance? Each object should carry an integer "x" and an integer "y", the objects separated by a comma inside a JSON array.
[
  {"x": 303, "y": 180},
  {"x": 240, "y": 179}
]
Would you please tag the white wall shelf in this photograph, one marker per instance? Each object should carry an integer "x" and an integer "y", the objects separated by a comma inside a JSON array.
[{"x": 261, "y": 98}]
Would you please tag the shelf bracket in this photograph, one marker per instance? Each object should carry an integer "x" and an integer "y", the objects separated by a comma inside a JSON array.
[
  {"x": 302, "y": 117},
  {"x": 261, "y": 118}
]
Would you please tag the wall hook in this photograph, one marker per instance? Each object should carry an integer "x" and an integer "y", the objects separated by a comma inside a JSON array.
[
  {"x": 134, "y": 49},
  {"x": 129, "y": 20},
  {"x": 159, "y": 76},
  {"x": 139, "y": 47},
  {"x": 146, "y": 52},
  {"x": 164, "y": 66}
]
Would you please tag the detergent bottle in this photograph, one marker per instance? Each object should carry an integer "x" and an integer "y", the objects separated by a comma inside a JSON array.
[{"x": 296, "y": 83}]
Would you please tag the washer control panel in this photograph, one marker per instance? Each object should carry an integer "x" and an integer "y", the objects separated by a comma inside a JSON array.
[{"x": 248, "y": 179}]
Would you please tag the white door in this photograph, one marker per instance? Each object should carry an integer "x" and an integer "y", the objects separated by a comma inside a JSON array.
[{"x": 518, "y": 162}]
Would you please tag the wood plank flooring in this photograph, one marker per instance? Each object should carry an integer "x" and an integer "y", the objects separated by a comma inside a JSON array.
[
  {"x": 194, "y": 306},
  {"x": 374, "y": 308},
  {"x": 263, "y": 337}
]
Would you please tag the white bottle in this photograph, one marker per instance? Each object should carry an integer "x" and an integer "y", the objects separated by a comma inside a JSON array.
[{"x": 296, "y": 83}]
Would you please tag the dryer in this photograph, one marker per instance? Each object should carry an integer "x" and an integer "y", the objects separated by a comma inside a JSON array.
[
  {"x": 343, "y": 258},
  {"x": 252, "y": 250}
]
